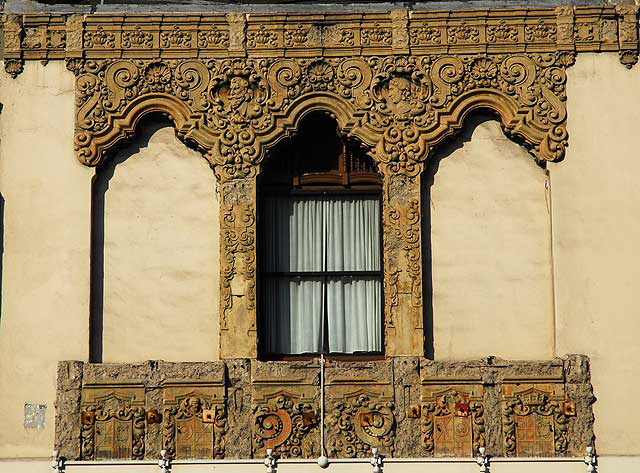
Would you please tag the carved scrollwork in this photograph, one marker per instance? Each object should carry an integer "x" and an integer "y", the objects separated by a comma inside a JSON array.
[
  {"x": 113, "y": 429},
  {"x": 452, "y": 425},
  {"x": 282, "y": 424},
  {"x": 235, "y": 108},
  {"x": 534, "y": 425},
  {"x": 360, "y": 424},
  {"x": 194, "y": 428}
]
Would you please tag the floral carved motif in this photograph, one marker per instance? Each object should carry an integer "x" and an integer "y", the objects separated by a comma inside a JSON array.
[
  {"x": 282, "y": 424},
  {"x": 137, "y": 39},
  {"x": 194, "y": 428},
  {"x": 176, "y": 38},
  {"x": 541, "y": 32},
  {"x": 113, "y": 428},
  {"x": 361, "y": 423},
  {"x": 534, "y": 424},
  {"x": 100, "y": 39},
  {"x": 502, "y": 33}
]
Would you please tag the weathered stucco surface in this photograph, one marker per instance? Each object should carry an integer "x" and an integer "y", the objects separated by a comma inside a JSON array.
[
  {"x": 160, "y": 251},
  {"x": 596, "y": 230},
  {"x": 45, "y": 288},
  {"x": 490, "y": 244}
]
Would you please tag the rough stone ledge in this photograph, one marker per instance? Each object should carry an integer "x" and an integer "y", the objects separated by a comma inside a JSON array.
[{"x": 397, "y": 389}]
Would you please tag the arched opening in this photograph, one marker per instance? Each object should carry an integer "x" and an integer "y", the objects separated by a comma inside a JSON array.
[
  {"x": 154, "y": 251},
  {"x": 487, "y": 255},
  {"x": 320, "y": 256}
]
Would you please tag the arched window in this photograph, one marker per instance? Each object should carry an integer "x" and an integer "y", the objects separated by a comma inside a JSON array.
[{"x": 320, "y": 237}]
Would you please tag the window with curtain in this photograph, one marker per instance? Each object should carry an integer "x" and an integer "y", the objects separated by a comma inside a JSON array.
[{"x": 321, "y": 262}]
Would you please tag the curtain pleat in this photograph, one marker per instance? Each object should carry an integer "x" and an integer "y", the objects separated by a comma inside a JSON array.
[{"x": 322, "y": 234}]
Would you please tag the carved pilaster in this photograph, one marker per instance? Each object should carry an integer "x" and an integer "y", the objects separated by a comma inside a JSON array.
[
  {"x": 238, "y": 268},
  {"x": 565, "y": 31},
  {"x": 237, "y": 30},
  {"x": 74, "y": 27},
  {"x": 403, "y": 264}
]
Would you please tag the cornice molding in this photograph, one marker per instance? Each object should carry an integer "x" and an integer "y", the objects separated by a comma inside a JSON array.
[{"x": 118, "y": 36}]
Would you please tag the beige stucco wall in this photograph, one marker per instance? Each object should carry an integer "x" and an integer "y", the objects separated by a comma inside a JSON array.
[
  {"x": 596, "y": 226},
  {"x": 492, "y": 271},
  {"x": 160, "y": 252},
  {"x": 490, "y": 241},
  {"x": 45, "y": 285}
]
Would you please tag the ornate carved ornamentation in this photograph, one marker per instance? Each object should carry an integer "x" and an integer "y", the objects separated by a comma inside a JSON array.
[
  {"x": 194, "y": 421},
  {"x": 535, "y": 421},
  {"x": 235, "y": 109},
  {"x": 13, "y": 67},
  {"x": 400, "y": 83},
  {"x": 452, "y": 424},
  {"x": 360, "y": 422},
  {"x": 282, "y": 423},
  {"x": 113, "y": 425}
]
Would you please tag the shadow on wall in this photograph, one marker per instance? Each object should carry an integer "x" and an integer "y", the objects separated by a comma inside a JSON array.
[
  {"x": 100, "y": 186},
  {"x": 428, "y": 179}
]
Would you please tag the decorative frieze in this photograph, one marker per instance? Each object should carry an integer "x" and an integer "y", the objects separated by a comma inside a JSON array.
[{"x": 55, "y": 36}]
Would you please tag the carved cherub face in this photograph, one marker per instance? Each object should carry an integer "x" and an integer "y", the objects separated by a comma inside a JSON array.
[
  {"x": 399, "y": 90},
  {"x": 238, "y": 88}
]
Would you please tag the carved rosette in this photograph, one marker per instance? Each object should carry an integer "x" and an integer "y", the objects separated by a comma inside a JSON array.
[
  {"x": 535, "y": 425},
  {"x": 194, "y": 428},
  {"x": 361, "y": 423},
  {"x": 112, "y": 429},
  {"x": 282, "y": 424},
  {"x": 452, "y": 425}
]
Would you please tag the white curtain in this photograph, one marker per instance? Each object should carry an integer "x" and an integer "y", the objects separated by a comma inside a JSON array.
[{"x": 303, "y": 234}]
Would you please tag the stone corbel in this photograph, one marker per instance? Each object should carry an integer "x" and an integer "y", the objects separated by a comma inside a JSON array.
[
  {"x": 12, "y": 31},
  {"x": 628, "y": 34}
]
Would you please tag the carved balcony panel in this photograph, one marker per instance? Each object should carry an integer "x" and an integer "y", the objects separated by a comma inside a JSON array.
[
  {"x": 286, "y": 411},
  {"x": 194, "y": 419},
  {"x": 113, "y": 422},
  {"x": 452, "y": 417},
  {"x": 535, "y": 418},
  {"x": 361, "y": 409}
]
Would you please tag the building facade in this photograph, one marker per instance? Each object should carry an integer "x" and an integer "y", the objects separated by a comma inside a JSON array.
[{"x": 294, "y": 231}]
